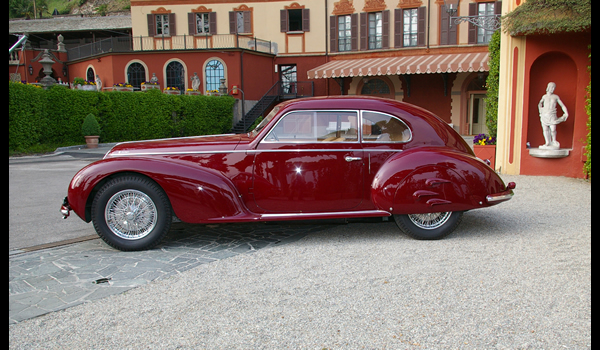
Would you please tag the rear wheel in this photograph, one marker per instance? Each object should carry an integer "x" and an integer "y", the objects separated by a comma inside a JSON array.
[
  {"x": 131, "y": 213},
  {"x": 429, "y": 226}
]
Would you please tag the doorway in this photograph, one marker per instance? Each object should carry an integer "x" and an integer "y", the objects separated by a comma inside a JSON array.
[{"x": 477, "y": 114}]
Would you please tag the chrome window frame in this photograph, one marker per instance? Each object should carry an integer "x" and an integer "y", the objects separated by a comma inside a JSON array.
[
  {"x": 385, "y": 114},
  {"x": 359, "y": 113}
]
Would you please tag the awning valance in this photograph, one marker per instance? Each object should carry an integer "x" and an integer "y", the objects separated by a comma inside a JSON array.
[{"x": 440, "y": 63}]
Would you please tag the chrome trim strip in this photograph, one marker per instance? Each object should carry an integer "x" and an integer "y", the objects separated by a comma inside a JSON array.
[
  {"x": 341, "y": 213},
  {"x": 250, "y": 151}
]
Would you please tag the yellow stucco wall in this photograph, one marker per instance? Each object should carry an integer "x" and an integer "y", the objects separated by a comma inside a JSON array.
[{"x": 509, "y": 126}]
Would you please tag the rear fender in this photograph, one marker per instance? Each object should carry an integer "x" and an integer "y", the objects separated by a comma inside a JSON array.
[
  {"x": 196, "y": 194},
  {"x": 429, "y": 180}
]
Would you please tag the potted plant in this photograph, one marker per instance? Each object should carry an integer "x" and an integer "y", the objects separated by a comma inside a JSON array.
[
  {"x": 484, "y": 147},
  {"x": 172, "y": 90},
  {"x": 149, "y": 85},
  {"x": 122, "y": 87},
  {"x": 91, "y": 131},
  {"x": 82, "y": 84},
  {"x": 192, "y": 92}
]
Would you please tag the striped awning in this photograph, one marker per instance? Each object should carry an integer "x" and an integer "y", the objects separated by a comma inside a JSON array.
[{"x": 422, "y": 64}]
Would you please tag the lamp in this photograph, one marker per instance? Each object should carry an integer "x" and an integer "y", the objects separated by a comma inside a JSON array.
[
  {"x": 487, "y": 22},
  {"x": 451, "y": 7}
]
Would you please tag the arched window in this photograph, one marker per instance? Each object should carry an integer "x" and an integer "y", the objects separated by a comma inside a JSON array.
[
  {"x": 176, "y": 75},
  {"x": 89, "y": 75},
  {"x": 214, "y": 72},
  {"x": 375, "y": 87},
  {"x": 136, "y": 74}
]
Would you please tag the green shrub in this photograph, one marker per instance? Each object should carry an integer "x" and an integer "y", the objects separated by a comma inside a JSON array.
[
  {"x": 55, "y": 116},
  {"x": 90, "y": 126},
  {"x": 493, "y": 85}
]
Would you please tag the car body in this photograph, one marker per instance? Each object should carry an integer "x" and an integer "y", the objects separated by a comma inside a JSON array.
[{"x": 313, "y": 158}]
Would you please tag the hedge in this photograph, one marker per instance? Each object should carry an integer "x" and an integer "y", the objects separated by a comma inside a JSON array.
[{"x": 54, "y": 116}]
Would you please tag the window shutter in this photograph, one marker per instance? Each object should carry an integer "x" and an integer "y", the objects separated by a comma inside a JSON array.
[
  {"x": 191, "y": 23},
  {"x": 306, "y": 20},
  {"x": 364, "y": 31},
  {"x": 448, "y": 29},
  {"x": 354, "y": 32},
  {"x": 398, "y": 32},
  {"x": 247, "y": 22},
  {"x": 421, "y": 25},
  {"x": 472, "y": 29},
  {"x": 172, "y": 31},
  {"x": 333, "y": 33},
  {"x": 212, "y": 22},
  {"x": 232, "y": 26},
  {"x": 283, "y": 19},
  {"x": 151, "y": 28},
  {"x": 385, "y": 38}
]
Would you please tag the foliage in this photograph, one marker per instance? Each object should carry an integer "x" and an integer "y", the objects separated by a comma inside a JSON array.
[
  {"x": 587, "y": 167},
  {"x": 55, "y": 116},
  {"x": 26, "y": 115},
  {"x": 483, "y": 140},
  {"x": 549, "y": 16},
  {"x": 90, "y": 126},
  {"x": 493, "y": 85}
]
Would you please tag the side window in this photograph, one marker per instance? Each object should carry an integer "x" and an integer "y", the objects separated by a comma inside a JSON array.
[
  {"x": 380, "y": 127},
  {"x": 316, "y": 126}
]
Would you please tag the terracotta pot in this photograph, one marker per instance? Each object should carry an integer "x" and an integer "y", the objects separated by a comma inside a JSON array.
[
  {"x": 486, "y": 153},
  {"x": 91, "y": 141}
]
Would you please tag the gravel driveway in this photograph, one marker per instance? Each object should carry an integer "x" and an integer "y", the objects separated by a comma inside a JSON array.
[{"x": 514, "y": 276}]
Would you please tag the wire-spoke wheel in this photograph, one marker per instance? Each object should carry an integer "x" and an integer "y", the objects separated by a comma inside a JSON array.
[
  {"x": 131, "y": 213},
  {"x": 429, "y": 225}
]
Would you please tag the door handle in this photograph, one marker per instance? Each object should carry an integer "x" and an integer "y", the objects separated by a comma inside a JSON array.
[{"x": 351, "y": 159}]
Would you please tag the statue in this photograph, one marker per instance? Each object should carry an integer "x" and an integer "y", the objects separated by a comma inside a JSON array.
[
  {"x": 548, "y": 117},
  {"x": 98, "y": 83},
  {"x": 154, "y": 79},
  {"x": 195, "y": 81}
]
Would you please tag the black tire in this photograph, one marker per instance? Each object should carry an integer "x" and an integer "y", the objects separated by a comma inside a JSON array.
[
  {"x": 429, "y": 226},
  {"x": 131, "y": 213}
]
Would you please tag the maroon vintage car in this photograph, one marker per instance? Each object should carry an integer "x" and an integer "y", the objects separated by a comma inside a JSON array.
[{"x": 315, "y": 158}]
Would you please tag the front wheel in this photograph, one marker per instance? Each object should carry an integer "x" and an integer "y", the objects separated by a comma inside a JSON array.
[
  {"x": 131, "y": 213},
  {"x": 429, "y": 226}
]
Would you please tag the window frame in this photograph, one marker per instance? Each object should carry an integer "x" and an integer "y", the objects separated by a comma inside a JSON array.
[
  {"x": 360, "y": 119},
  {"x": 485, "y": 9},
  {"x": 208, "y": 77},
  {"x": 362, "y": 129},
  {"x": 163, "y": 26},
  {"x": 304, "y": 20}
]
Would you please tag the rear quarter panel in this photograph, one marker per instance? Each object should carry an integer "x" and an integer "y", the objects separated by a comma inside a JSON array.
[{"x": 433, "y": 179}]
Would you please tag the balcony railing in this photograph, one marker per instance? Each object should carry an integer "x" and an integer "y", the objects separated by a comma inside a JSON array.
[{"x": 176, "y": 42}]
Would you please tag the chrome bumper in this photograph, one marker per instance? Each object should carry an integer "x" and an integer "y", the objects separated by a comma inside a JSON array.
[
  {"x": 502, "y": 196},
  {"x": 65, "y": 208}
]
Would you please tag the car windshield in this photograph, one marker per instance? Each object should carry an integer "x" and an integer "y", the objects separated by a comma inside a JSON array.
[{"x": 264, "y": 122}]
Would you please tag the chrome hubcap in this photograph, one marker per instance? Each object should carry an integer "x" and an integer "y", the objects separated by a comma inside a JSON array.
[
  {"x": 430, "y": 221},
  {"x": 130, "y": 214}
]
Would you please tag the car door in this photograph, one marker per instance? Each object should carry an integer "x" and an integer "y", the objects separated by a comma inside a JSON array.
[{"x": 310, "y": 162}]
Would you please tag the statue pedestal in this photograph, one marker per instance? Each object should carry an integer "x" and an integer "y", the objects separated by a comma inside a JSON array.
[{"x": 549, "y": 153}]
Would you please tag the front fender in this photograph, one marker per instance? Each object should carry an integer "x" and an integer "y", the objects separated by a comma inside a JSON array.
[
  {"x": 196, "y": 194},
  {"x": 434, "y": 179}
]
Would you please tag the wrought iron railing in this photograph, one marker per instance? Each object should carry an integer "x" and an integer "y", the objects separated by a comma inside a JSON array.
[{"x": 176, "y": 42}]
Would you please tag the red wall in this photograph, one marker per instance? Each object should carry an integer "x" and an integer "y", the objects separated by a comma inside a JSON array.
[
  {"x": 257, "y": 68},
  {"x": 562, "y": 59}
]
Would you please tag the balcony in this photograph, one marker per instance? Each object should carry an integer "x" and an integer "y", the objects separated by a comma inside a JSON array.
[{"x": 167, "y": 43}]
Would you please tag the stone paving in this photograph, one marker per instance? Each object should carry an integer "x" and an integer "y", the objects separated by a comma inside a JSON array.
[{"x": 53, "y": 279}]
